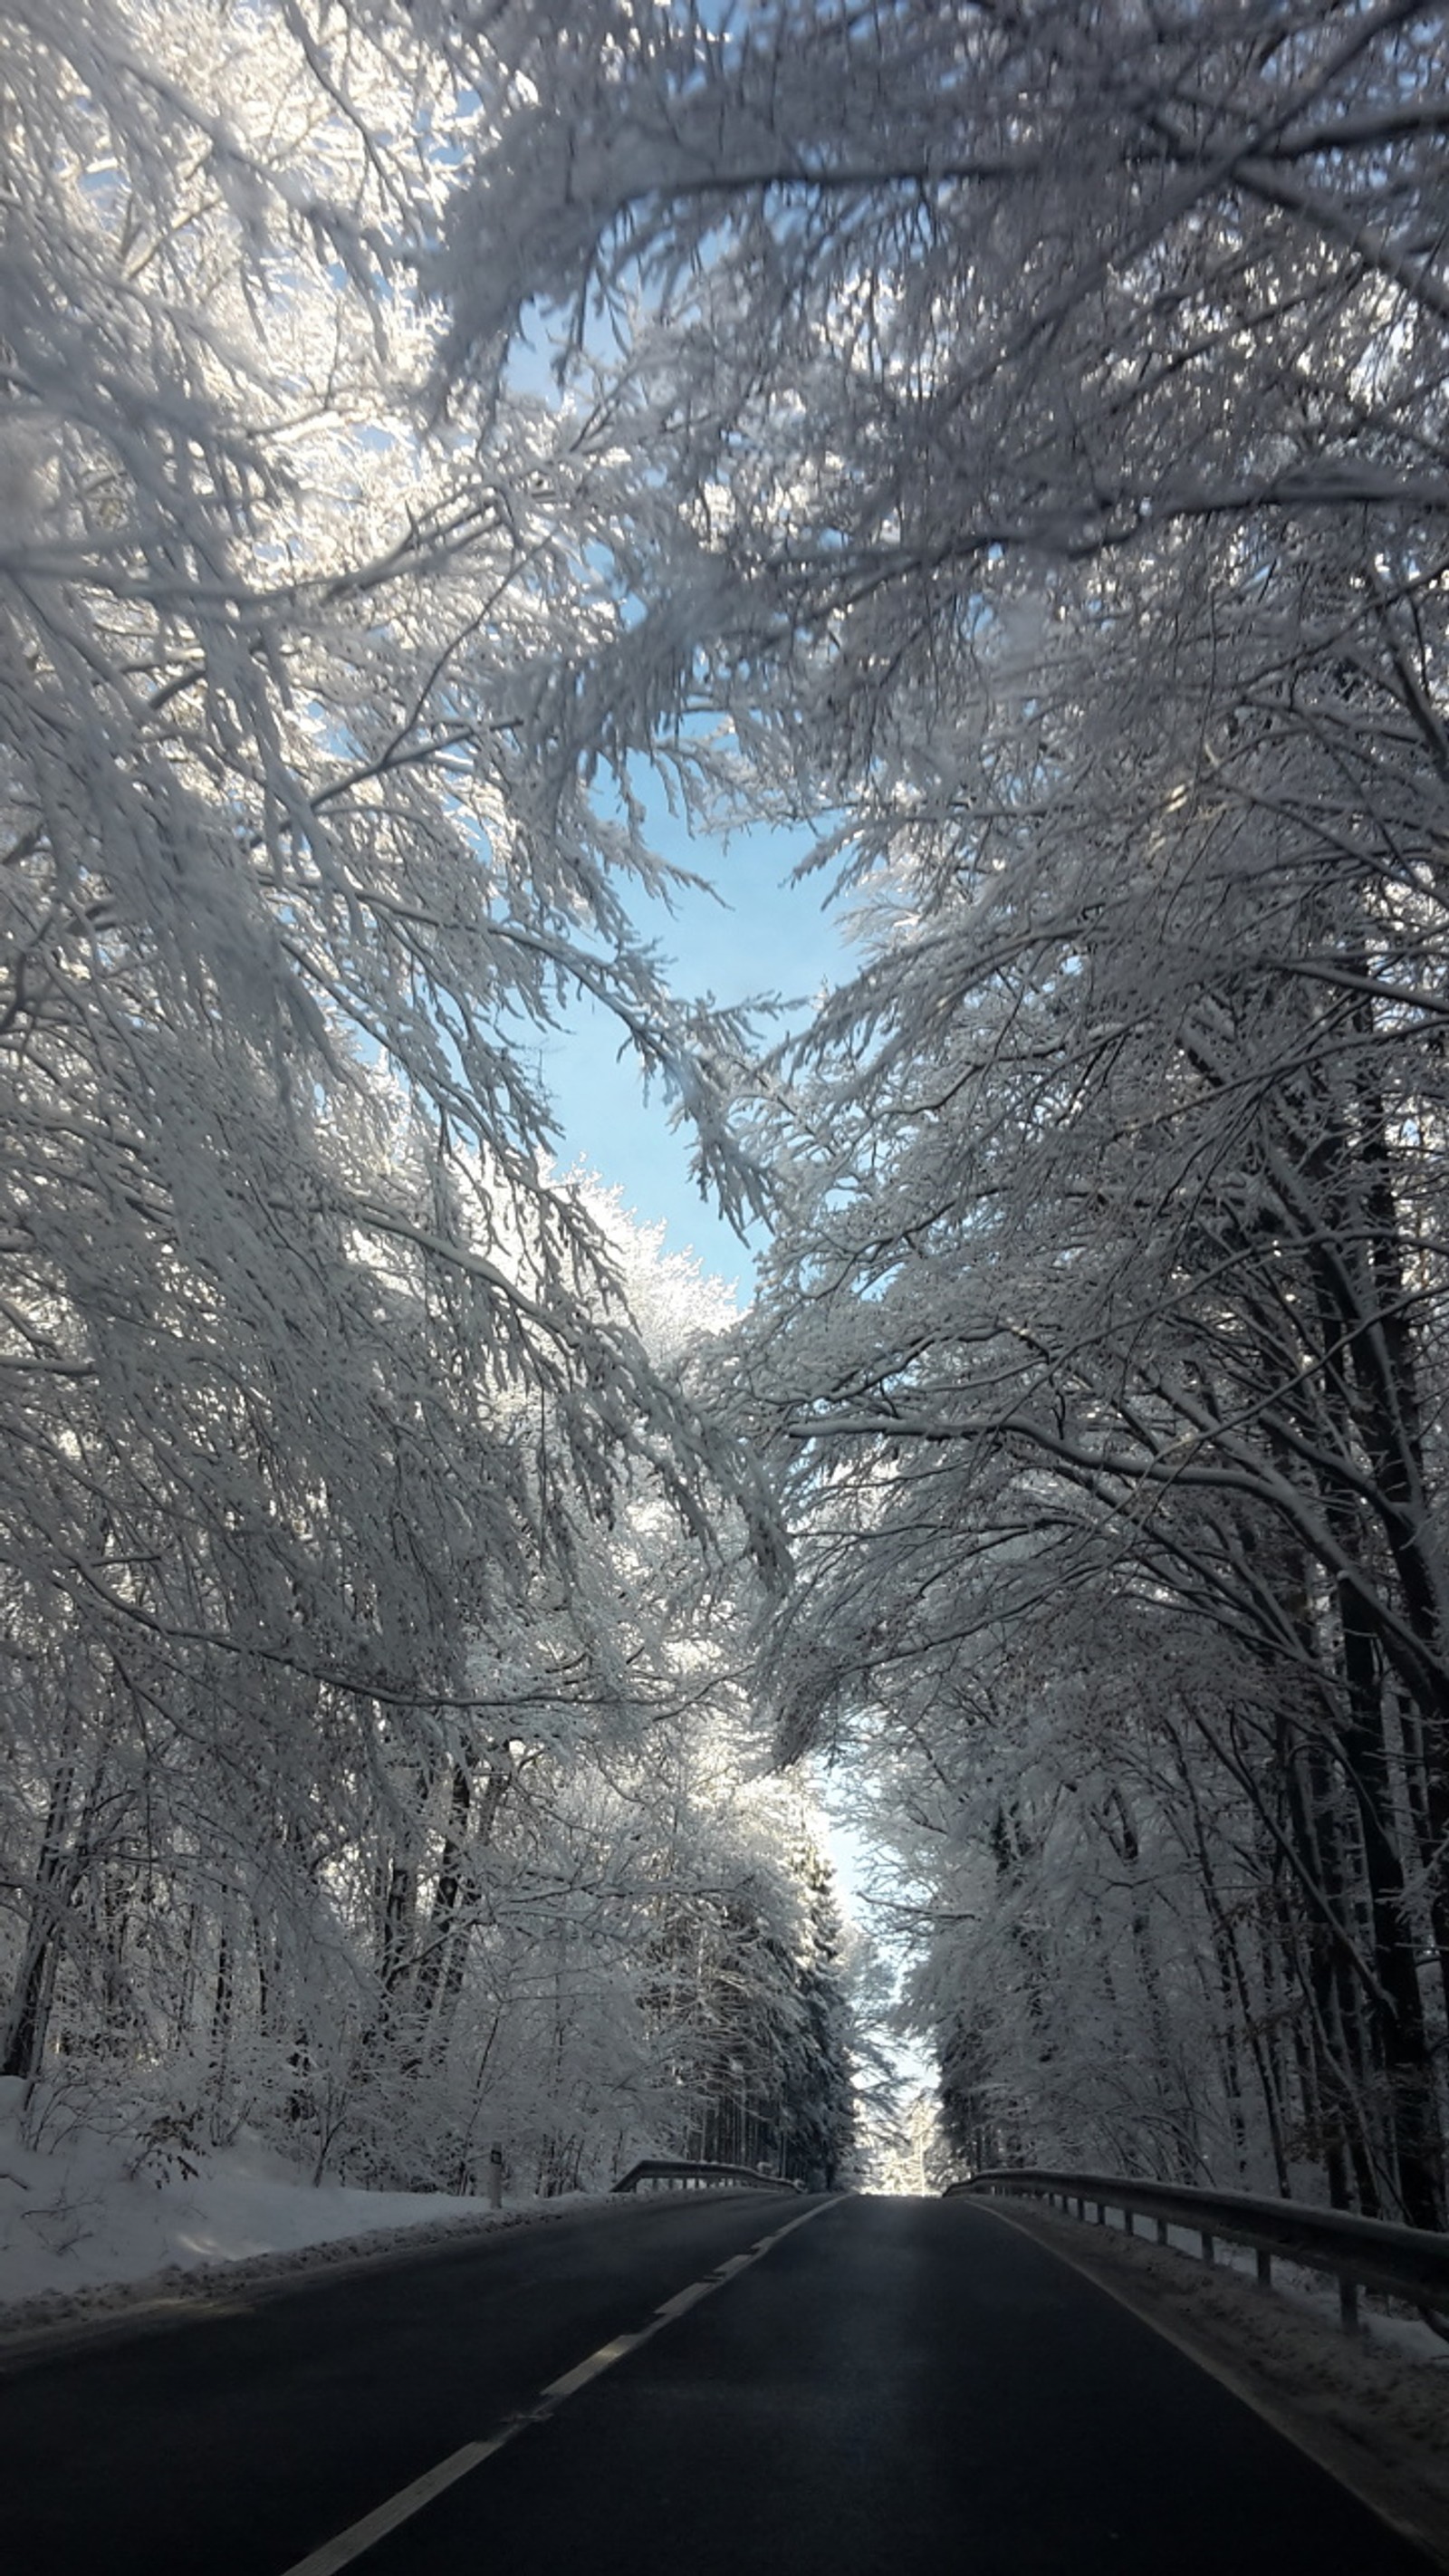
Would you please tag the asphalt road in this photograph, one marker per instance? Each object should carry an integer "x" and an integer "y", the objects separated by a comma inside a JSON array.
[{"x": 893, "y": 2386}]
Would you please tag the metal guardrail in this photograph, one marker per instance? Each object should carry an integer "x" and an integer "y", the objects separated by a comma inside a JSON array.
[
  {"x": 1360, "y": 2253},
  {"x": 685, "y": 2169}
]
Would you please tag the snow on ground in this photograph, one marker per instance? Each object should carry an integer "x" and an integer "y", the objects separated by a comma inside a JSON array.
[
  {"x": 1314, "y": 2294},
  {"x": 88, "y": 2223}
]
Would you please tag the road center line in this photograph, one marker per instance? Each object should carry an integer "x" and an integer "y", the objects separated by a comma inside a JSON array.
[{"x": 359, "y": 2537}]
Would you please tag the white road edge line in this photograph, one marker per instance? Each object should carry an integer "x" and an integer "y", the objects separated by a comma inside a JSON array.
[
  {"x": 1315, "y": 2442},
  {"x": 359, "y": 2537}
]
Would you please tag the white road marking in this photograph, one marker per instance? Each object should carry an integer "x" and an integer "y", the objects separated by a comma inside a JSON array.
[
  {"x": 584, "y": 2371},
  {"x": 683, "y": 2299},
  {"x": 359, "y": 2537},
  {"x": 375, "y": 2526},
  {"x": 1345, "y": 2461}
]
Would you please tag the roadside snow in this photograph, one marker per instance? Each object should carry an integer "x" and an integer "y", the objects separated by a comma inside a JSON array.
[
  {"x": 88, "y": 2226},
  {"x": 1315, "y": 2294}
]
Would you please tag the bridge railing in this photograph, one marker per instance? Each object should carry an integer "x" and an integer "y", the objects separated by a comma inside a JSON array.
[
  {"x": 1410, "y": 2263},
  {"x": 684, "y": 2170}
]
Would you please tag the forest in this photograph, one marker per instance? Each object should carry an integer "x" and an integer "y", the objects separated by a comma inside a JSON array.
[{"x": 1011, "y": 444}]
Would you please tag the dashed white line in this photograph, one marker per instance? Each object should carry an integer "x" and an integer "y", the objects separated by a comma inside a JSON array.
[
  {"x": 375, "y": 2526},
  {"x": 603, "y": 2359},
  {"x": 359, "y": 2537},
  {"x": 683, "y": 2299}
]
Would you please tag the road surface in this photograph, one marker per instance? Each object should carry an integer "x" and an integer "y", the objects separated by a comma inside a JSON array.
[{"x": 891, "y": 2386}]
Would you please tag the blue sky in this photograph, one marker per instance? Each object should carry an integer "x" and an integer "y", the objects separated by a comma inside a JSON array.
[{"x": 763, "y": 936}]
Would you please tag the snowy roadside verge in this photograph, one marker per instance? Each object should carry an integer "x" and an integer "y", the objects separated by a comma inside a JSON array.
[
  {"x": 1372, "y": 2409},
  {"x": 88, "y": 2240},
  {"x": 58, "y": 2316}
]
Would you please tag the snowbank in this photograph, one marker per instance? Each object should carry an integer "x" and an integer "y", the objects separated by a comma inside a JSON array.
[{"x": 90, "y": 2225}]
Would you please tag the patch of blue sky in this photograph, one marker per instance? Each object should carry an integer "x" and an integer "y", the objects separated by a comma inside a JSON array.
[{"x": 758, "y": 934}]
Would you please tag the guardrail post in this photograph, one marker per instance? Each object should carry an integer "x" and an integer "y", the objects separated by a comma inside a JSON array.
[
  {"x": 1348, "y": 2306},
  {"x": 1265, "y": 2268},
  {"x": 1101, "y": 2213},
  {"x": 1162, "y": 2231},
  {"x": 1081, "y": 2208},
  {"x": 1209, "y": 2250}
]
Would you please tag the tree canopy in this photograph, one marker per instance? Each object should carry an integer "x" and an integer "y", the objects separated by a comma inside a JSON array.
[
  {"x": 1013, "y": 442},
  {"x": 1052, "y": 404}
]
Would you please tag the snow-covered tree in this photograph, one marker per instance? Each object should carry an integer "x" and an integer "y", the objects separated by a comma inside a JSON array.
[
  {"x": 1015, "y": 441},
  {"x": 288, "y": 1290},
  {"x": 1045, "y": 418}
]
